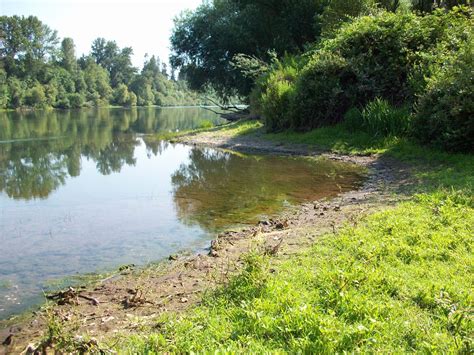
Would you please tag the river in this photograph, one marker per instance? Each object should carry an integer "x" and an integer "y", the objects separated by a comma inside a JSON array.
[{"x": 87, "y": 191}]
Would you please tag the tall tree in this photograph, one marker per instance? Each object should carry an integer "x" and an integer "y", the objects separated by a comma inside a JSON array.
[
  {"x": 205, "y": 41},
  {"x": 68, "y": 54}
]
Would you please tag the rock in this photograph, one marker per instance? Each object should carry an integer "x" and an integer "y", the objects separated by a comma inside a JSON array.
[
  {"x": 213, "y": 253},
  {"x": 337, "y": 208},
  {"x": 173, "y": 257},
  {"x": 281, "y": 225},
  {"x": 8, "y": 341},
  {"x": 30, "y": 349},
  {"x": 183, "y": 300}
]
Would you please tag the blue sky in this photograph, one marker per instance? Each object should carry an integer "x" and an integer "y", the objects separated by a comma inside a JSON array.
[{"x": 144, "y": 25}]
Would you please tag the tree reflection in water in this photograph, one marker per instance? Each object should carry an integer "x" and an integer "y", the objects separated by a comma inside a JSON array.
[
  {"x": 217, "y": 189},
  {"x": 40, "y": 150}
]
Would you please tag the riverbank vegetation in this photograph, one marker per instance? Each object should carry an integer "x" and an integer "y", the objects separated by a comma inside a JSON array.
[
  {"x": 38, "y": 70},
  {"x": 388, "y": 68}
]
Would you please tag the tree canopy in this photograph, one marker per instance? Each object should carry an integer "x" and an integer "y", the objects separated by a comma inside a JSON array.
[
  {"x": 39, "y": 70},
  {"x": 206, "y": 41}
]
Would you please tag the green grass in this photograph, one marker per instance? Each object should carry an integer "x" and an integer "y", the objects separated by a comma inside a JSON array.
[{"x": 400, "y": 281}]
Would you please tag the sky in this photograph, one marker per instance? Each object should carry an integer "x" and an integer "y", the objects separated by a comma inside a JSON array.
[{"x": 144, "y": 25}]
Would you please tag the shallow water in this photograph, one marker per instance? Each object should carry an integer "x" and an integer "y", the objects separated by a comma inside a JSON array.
[{"x": 85, "y": 191}]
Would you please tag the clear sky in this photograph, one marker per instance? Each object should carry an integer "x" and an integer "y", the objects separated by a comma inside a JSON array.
[{"x": 144, "y": 25}]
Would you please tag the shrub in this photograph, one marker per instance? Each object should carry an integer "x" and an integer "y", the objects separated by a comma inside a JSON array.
[
  {"x": 132, "y": 100},
  {"x": 383, "y": 50},
  {"x": 63, "y": 102},
  {"x": 276, "y": 98},
  {"x": 322, "y": 93},
  {"x": 35, "y": 97},
  {"x": 121, "y": 95},
  {"x": 271, "y": 97},
  {"x": 386, "y": 56},
  {"x": 76, "y": 100},
  {"x": 445, "y": 112}
]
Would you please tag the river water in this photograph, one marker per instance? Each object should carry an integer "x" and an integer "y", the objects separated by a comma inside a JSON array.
[{"x": 88, "y": 191}]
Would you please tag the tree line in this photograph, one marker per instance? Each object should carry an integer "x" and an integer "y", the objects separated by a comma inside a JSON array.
[
  {"x": 387, "y": 67},
  {"x": 39, "y": 70}
]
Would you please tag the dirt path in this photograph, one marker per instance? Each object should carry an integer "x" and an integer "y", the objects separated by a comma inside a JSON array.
[{"x": 133, "y": 299}]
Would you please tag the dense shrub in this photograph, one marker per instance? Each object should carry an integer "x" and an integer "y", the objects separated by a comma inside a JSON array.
[
  {"x": 35, "y": 97},
  {"x": 445, "y": 112},
  {"x": 322, "y": 93},
  {"x": 381, "y": 119},
  {"x": 276, "y": 90},
  {"x": 76, "y": 100},
  {"x": 378, "y": 62},
  {"x": 383, "y": 50}
]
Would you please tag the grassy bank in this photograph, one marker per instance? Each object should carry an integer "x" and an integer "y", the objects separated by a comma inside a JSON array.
[{"x": 397, "y": 280}]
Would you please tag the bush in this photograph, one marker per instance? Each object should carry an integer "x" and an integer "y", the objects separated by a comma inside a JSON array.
[
  {"x": 121, "y": 95},
  {"x": 386, "y": 56},
  {"x": 276, "y": 95},
  {"x": 63, "y": 102},
  {"x": 322, "y": 92},
  {"x": 132, "y": 100},
  {"x": 35, "y": 97},
  {"x": 445, "y": 112},
  {"x": 383, "y": 50},
  {"x": 76, "y": 100},
  {"x": 381, "y": 119}
]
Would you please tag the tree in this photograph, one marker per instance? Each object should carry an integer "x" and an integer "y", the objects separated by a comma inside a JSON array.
[
  {"x": 118, "y": 62},
  {"x": 68, "y": 55},
  {"x": 204, "y": 42}
]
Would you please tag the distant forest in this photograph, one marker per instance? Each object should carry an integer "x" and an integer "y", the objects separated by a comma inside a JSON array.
[{"x": 39, "y": 70}]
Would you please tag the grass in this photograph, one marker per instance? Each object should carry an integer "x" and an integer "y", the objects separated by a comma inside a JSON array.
[{"x": 399, "y": 281}]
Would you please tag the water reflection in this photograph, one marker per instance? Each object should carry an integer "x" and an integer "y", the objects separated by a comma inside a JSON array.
[
  {"x": 216, "y": 189},
  {"x": 40, "y": 150}
]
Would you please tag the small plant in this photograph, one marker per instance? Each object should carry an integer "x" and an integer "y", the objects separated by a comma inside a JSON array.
[{"x": 206, "y": 124}]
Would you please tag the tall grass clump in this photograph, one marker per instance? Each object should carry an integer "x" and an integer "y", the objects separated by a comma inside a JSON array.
[{"x": 380, "y": 119}]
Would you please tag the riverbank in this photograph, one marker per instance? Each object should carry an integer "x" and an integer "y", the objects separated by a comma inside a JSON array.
[{"x": 148, "y": 309}]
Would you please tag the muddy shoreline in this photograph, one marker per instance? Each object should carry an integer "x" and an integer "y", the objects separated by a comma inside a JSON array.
[{"x": 135, "y": 298}]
